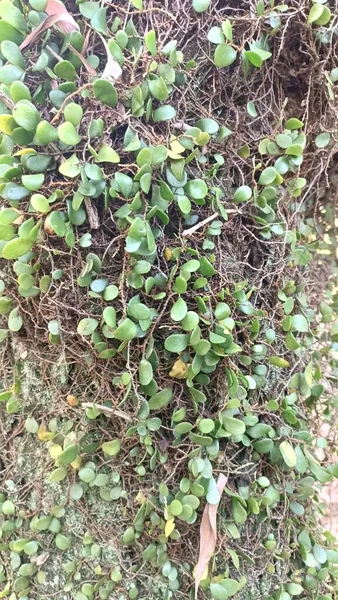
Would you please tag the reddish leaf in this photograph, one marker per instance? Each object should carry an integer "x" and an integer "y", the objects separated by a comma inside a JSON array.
[
  {"x": 65, "y": 23},
  {"x": 208, "y": 534},
  {"x": 38, "y": 31}
]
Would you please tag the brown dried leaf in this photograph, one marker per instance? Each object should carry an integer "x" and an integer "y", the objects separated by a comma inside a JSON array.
[
  {"x": 208, "y": 534},
  {"x": 85, "y": 62},
  {"x": 57, "y": 14},
  {"x": 92, "y": 214},
  {"x": 66, "y": 23}
]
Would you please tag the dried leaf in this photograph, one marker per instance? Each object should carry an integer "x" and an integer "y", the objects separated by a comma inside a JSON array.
[
  {"x": 66, "y": 23},
  {"x": 38, "y": 31},
  {"x": 85, "y": 62},
  {"x": 61, "y": 17},
  {"x": 112, "y": 69},
  {"x": 208, "y": 534},
  {"x": 93, "y": 216}
]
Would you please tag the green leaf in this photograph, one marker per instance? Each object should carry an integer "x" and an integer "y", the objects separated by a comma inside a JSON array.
[
  {"x": 200, "y": 6},
  {"x": 218, "y": 591},
  {"x": 15, "y": 320},
  {"x": 68, "y": 134},
  {"x": 65, "y": 70},
  {"x": 33, "y": 182},
  {"x": 111, "y": 448},
  {"x": 324, "y": 17},
  {"x": 224, "y": 56},
  {"x": 196, "y": 189},
  {"x": 161, "y": 399},
  {"x": 40, "y": 203},
  {"x": 254, "y": 58},
  {"x": 164, "y": 113},
  {"x": 109, "y": 316},
  {"x": 158, "y": 89},
  {"x": 208, "y": 126},
  {"x": 200, "y": 440},
  {"x": 184, "y": 205},
  {"x": 294, "y": 124},
  {"x": 16, "y": 248},
  {"x": 233, "y": 426},
  {"x": 62, "y": 542},
  {"x": 73, "y": 113},
  {"x": 227, "y": 29},
  {"x": 87, "y": 474},
  {"x": 268, "y": 176},
  {"x": 283, "y": 140},
  {"x": 58, "y": 474},
  {"x": 150, "y": 42},
  {"x": 76, "y": 491},
  {"x": 206, "y": 426},
  {"x": 26, "y": 115},
  {"x": 215, "y": 36},
  {"x": 107, "y": 154},
  {"x": 105, "y": 92},
  {"x": 294, "y": 150},
  {"x": 12, "y": 53},
  {"x": 294, "y": 589},
  {"x": 137, "y": 3},
  {"x": 315, "y": 12},
  {"x": 231, "y": 586},
  {"x": 288, "y": 454},
  {"x": 57, "y": 223},
  {"x": 238, "y": 511},
  {"x": 68, "y": 455},
  {"x": 87, "y": 326},
  {"x": 206, "y": 267},
  {"x": 145, "y": 372},
  {"x": 243, "y": 194},
  {"x": 126, "y": 331},
  {"x": 299, "y": 323},
  {"x": 322, "y": 140},
  {"x": 190, "y": 321},
  {"x": 177, "y": 342},
  {"x": 99, "y": 20},
  {"x": 251, "y": 108},
  {"x": 9, "y": 32},
  {"x": 277, "y": 361},
  {"x": 31, "y": 548},
  {"x": 31, "y": 425},
  {"x": 179, "y": 310}
]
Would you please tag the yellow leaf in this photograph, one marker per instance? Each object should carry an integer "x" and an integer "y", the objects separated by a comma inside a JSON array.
[
  {"x": 76, "y": 464},
  {"x": 167, "y": 254},
  {"x": 7, "y": 124},
  {"x": 173, "y": 155},
  {"x": 44, "y": 435},
  {"x": 140, "y": 498},
  {"x": 169, "y": 527},
  {"x": 55, "y": 451},
  {"x": 24, "y": 151},
  {"x": 177, "y": 147},
  {"x": 179, "y": 369}
]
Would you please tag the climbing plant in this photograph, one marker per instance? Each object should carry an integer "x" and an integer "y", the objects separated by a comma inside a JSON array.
[{"x": 167, "y": 244}]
